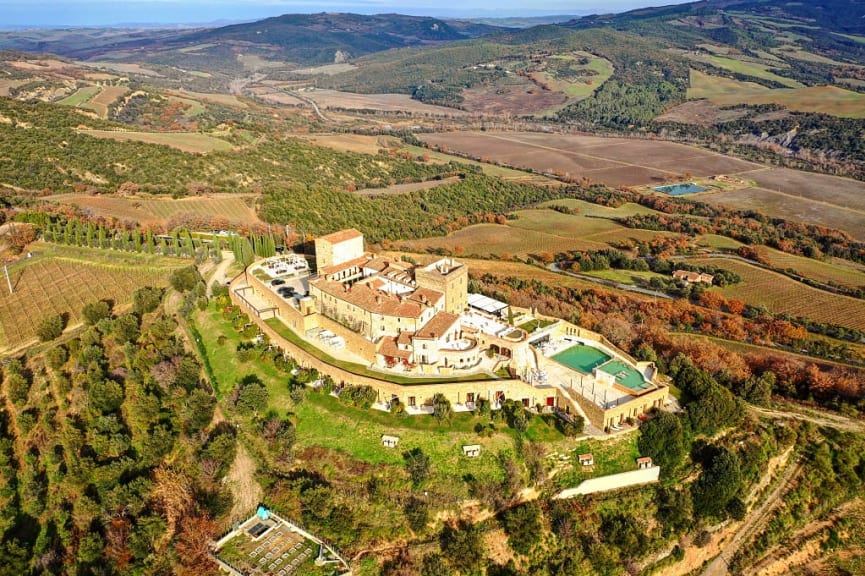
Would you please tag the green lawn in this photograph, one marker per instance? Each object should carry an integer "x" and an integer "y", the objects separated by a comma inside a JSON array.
[
  {"x": 536, "y": 324},
  {"x": 323, "y": 420},
  {"x": 226, "y": 366},
  {"x": 611, "y": 457}
]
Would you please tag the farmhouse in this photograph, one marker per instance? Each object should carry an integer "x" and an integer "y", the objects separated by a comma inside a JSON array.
[
  {"x": 404, "y": 321},
  {"x": 693, "y": 277}
]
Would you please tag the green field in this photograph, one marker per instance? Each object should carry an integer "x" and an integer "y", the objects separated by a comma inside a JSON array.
[
  {"x": 81, "y": 96},
  {"x": 62, "y": 279},
  {"x": 717, "y": 242},
  {"x": 823, "y": 99},
  {"x": 751, "y": 69},
  {"x": 535, "y": 231},
  {"x": 226, "y": 367},
  {"x": 860, "y": 39},
  {"x": 322, "y": 420},
  {"x": 196, "y": 108},
  {"x": 582, "y": 87},
  {"x": 625, "y": 276},
  {"x": 589, "y": 209}
]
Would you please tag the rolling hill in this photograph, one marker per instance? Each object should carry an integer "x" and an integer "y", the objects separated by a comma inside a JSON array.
[{"x": 290, "y": 39}]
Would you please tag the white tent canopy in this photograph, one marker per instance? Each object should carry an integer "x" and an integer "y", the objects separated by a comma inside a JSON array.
[{"x": 486, "y": 304}]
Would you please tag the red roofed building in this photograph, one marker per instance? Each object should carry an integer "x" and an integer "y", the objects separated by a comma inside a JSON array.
[{"x": 693, "y": 277}]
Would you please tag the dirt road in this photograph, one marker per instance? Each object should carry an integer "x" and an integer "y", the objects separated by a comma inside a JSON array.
[
  {"x": 754, "y": 522},
  {"x": 821, "y": 418}
]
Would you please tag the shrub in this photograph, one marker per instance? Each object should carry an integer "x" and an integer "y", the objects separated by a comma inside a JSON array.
[
  {"x": 523, "y": 526},
  {"x": 95, "y": 311},
  {"x": 417, "y": 514},
  {"x": 50, "y": 328},
  {"x": 184, "y": 279},
  {"x": 418, "y": 465},
  {"x": 146, "y": 299},
  {"x": 360, "y": 396}
]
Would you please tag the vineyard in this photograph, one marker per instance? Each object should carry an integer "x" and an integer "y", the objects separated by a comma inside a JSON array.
[
  {"x": 780, "y": 294},
  {"x": 235, "y": 208},
  {"x": 104, "y": 99},
  {"x": 60, "y": 280},
  {"x": 840, "y": 273}
]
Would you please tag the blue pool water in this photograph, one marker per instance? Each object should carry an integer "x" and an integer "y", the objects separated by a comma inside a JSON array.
[{"x": 679, "y": 189}]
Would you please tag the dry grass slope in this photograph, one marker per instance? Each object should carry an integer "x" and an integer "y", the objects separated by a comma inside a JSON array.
[{"x": 185, "y": 141}]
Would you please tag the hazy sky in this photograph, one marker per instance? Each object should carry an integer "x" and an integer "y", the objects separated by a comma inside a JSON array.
[{"x": 15, "y": 13}]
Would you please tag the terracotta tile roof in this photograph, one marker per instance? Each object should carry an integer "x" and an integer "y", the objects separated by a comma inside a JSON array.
[
  {"x": 426, "y": 296},
  {"x": 341, "y": 236},
  {"x": 381, "y": 264},
  {"x": 337, "y": 268},
  {"x": 368, "y": 298},
  {"x": 437, "y": 326},
  {"x": 404, "y": 338},
  {"x": 388, "y": 347},
  {"x": 689, "y": 276}
]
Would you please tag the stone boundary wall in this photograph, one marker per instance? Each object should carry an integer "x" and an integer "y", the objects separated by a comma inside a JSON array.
[
  {"x": 455, "y": 392},
  {"x": 299, "y": 323}
]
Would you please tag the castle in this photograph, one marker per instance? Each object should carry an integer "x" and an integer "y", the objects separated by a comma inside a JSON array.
[
  {"x": 374, "y": 320},
  {"x": 415, "y": 314}
]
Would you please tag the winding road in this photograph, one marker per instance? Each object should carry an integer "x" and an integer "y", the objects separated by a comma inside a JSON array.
[{"x": 554, "y": 267}]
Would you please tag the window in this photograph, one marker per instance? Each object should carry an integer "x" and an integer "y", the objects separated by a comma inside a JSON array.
[{"x": 411, "y": 401}]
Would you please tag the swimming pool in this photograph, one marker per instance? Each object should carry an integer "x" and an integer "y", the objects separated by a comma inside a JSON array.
[
  {"x": 581, "y": 357},
  {"x": 625, "y": 375},
  {"x": 679, "y": 189}
]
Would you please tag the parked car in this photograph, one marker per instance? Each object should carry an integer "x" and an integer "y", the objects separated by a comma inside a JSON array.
[{"x": 277, "y": 282}]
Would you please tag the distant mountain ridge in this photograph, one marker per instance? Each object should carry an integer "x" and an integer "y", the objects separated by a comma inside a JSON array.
[
  {"x": 836, "y": 15},
  {"x": 303, "y": 39},
  {"x": 317, "y": 38}
]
